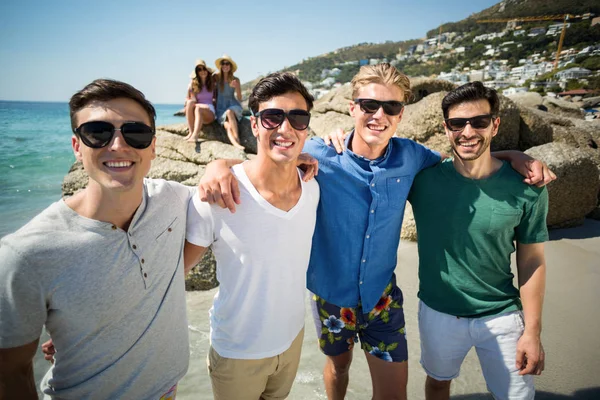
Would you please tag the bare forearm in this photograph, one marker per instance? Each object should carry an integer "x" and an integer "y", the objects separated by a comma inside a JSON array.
[
  {"x": 192, "y": 255},
  {"x": 532, "y": 283}
]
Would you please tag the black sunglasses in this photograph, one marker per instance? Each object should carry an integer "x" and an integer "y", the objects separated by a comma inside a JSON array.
[
  {"x": 272, "y": 118},
  {"x": 98, "y": 134},
  {"x": 370, "y": 106},
  {"x": 225, "y": 63},
  {"x": 477, "y": 122}
]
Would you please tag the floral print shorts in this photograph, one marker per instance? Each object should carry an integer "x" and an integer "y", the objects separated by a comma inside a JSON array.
[{"x": 381, "y": 331}]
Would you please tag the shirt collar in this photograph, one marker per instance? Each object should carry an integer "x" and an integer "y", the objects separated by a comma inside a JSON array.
[{"x": 384, "y": 157}]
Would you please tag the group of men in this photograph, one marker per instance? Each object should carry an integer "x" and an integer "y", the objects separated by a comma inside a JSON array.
[{"x": 103, "y": 270}]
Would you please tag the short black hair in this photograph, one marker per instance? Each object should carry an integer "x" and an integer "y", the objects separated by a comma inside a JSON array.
[
  {"x": 106, "y": 90},
  {"x": 471, "y": 91},
  {"x": 277, "y": 84}
]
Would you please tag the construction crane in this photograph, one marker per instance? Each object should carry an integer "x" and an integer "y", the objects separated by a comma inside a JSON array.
[{"x": 563, "y": 17}]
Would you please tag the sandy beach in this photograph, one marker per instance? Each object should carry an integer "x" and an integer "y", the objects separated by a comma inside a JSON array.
[{"x": 571, "y": 327}]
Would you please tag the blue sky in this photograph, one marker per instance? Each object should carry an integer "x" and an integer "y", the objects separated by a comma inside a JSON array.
[{"x": 50, "y": 49}]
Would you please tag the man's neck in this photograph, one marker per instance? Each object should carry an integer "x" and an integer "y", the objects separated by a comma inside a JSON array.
[
  {"x": 365, "y": 150},
  {"x": 104, "y": 205},
  {"x": 481, "y": 168},
  {"x": 277, "y": 183}
]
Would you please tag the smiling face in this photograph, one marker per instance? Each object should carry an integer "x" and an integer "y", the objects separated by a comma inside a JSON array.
[
  {"x": 118, "y": 166},
  {"x": 471, "y": 144},
  {"x": 284, "y": 143},
  {"x": 372, "y": 131}
]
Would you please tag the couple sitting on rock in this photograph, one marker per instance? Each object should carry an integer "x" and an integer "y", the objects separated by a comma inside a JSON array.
[{"x": 207, "y": 90}]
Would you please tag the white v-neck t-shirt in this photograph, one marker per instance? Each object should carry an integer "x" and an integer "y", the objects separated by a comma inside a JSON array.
[{"x": 262, "y": 255}]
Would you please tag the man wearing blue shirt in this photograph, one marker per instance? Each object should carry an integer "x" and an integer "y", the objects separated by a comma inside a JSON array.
[{"x": 359, "y": 218}]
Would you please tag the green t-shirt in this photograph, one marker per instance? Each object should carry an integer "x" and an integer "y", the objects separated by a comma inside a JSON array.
[{"x": 466, "y": 230}]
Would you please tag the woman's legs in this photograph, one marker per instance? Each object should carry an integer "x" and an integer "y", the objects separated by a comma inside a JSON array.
[
  {"x": 202, "y": 115},
  {"x": 190, "y": 107},
  {"x": 232, "y": 129}
]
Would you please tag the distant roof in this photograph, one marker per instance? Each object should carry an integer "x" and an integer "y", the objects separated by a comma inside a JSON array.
[{"x": 575, "y": 92}]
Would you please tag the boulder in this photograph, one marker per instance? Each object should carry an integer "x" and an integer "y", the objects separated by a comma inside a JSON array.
[
  {"x": 180, "y": 113},
  {"x": 409, "y": 228},
  {"x": 575, "y": 192},
  {"x": 323, "y": 124},
  {"x": 204, "y": 275},
  {"x": 591, "y": 102},
  {"x": 336, "y": 100},
  {"x": 215, "y": 131},
  {"x": 563, "y": 108},
  {"x": 422, "y": 87},
  {"x": 533, "y": 129},
  {"x": 527, "y": 99}
]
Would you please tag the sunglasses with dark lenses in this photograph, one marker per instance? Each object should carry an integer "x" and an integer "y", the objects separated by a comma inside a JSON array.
[
  {"x": 225, "y": 63},
  {"x": 272, "y": 118},
  {"x": 201, "y": 69},
  {"x": 478, "y": 122},
  {"x": 370, "y": 106},
  {"x": 98, "y": 134}
]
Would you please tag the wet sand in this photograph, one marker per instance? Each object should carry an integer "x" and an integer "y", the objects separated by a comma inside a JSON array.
[{"x": 571, "y": 332}]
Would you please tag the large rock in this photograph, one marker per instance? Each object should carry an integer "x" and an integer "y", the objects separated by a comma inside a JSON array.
[
  {"x": 533, "y": 130},
  {"x": 215, "y": 131},
  {"x": 409, "y": 227},
  {"x": 422, "y": 87},
  {"x": 591, "y": 102},
  {"x": 179, "y": 161},
  {"x": 323, "y": 124},
  {"x": 563, "y": 108},
  {"x": 527, "y": 99},
  {"x": 575, "y": 193},
  {"x": 336, "y": 100}
]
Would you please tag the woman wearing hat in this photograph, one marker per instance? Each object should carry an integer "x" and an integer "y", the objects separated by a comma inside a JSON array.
[
  {"x": 199, "y": 108},
  {"x": 229, "y": 95}
]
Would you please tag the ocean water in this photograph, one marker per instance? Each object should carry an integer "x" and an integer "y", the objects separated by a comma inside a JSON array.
[{"x": 36, "y": 154}]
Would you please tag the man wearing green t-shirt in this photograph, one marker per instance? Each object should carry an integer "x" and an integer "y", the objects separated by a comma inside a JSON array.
[{"x": 469, "y": 212}]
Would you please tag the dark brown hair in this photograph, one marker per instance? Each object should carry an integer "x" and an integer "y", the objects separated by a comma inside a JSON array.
[
  {"x": 106, "y": 90},
  {"x": 277, "y": 84}
]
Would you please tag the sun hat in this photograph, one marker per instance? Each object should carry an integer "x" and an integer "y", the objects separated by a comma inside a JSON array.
[
  {"x": 201, "y": 63},
  {"x": 225, "y": 57}
]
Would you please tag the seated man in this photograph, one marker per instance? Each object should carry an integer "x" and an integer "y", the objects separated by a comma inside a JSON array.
[
  {"x": 262, "y": 251},
  {"x": 102, "y": 270},
  {"x": 468, "y": 213}
]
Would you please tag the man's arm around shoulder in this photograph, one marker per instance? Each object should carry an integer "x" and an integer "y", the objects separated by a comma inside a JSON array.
[
  {"x": 16, "y": 372},
  {"x": 531, "y": 266}
]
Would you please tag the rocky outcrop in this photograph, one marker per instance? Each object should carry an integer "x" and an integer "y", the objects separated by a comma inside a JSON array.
[
  {"x": 204, "y": 275},
  {"x": 336, "y": 100},
  {"x": 563, "y": 108},
  {"x": 422, "y": 87},
  {"x": 533, "y": 129},
  {"x": 527, "y": 99},
  {"x": 215, "y": 131},
  {"x": 575, "y": 193}
]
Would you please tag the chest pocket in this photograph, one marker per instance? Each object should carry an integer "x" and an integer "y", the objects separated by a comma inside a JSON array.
[
  {"x": 168, "y": 232},
  {"x": 504, "y": 219},
  {"x": 397, "y": 190}
]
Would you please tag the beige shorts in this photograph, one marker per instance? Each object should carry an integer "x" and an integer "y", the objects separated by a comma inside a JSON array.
[{"x": 267, "y": 378}]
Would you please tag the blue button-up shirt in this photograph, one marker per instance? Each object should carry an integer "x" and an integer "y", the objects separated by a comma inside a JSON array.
[{"x": 359, "y": 219}]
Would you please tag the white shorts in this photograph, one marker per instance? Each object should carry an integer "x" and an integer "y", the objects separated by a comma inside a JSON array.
[{"x": 446, "y": 340}]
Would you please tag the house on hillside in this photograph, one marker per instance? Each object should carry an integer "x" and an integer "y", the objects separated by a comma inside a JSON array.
[
  {"x": 573, "y": 73},
  {"x": 514, "y": 90}
]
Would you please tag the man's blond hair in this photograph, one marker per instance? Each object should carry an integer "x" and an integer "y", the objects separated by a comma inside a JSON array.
[{"x": 384, "y": 74}]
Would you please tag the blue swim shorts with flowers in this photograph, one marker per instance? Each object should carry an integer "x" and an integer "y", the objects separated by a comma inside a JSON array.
[{"x": 381, "y": 331}]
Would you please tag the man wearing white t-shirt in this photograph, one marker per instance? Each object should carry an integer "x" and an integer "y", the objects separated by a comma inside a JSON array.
[{"x": 262, "y": 251}]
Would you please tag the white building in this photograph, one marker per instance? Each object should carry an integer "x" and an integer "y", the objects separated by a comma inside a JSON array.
[
  {"x": 573, "y": 73},
  {"x": 514, "y": 90}
]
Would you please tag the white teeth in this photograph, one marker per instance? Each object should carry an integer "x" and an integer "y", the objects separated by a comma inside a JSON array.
[
  {"x": 376, "y": 127},
  {"x": 283, "y": 144},
  {"x": 469, "y": 144},
  {"x": 118, "y": 164}
]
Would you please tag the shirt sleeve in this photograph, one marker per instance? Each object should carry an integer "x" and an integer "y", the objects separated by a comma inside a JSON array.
[
  {"x": 532, "y": 228},
  {"x": 200, "y": 223},
  {"x": 316, "y": 148},
  {"x": 429, "y": 157},
  {"x": 23, "y": 310}
]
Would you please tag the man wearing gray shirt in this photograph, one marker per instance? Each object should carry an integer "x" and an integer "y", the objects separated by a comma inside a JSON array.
[{"x": 102, "y": 270}]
